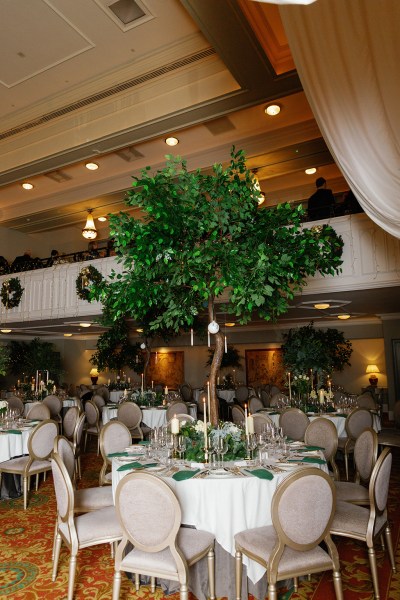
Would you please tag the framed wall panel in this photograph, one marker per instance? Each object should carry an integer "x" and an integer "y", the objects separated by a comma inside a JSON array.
[
  {"x": 166, "y": 368},
  {"x": 265, "y": 366}
]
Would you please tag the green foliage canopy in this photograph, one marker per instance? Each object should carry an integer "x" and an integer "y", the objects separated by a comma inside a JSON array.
[
  {"x": 114, "y": 351},
  {"x": 202, "y": 236},
  {"x": 29, "y": 357},
  {"x": 323, "y": 351}
]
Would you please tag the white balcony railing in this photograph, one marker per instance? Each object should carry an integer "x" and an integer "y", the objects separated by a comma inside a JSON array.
[{"x": 371, "y": 258}]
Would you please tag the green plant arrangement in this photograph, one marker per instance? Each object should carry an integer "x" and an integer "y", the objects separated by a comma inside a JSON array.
[
  {"x": 114, "y": 350},
  {"x": 321, "y": 351},
  {"x": 194, "y": 433},
  {"x": 29, "y": 357},
  {"x": 87, "y": 276},
  {"x": 11, "y": 292},
  {"x": 203, "y": 238},
  {"x": 4, "y": 359}
]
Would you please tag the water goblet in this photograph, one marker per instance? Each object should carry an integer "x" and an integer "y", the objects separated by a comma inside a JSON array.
[
  {"x": 181, "y": 446},
  {"x": 223, "y": 449},
  {"x": 261, "y": 443}
]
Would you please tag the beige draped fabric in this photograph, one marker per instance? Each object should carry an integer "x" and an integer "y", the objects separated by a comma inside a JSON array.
[{"x": 347, "y": 53}]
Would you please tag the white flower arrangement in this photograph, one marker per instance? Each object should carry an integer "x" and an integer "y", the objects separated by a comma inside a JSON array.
[
  {"x": 313, "y": 394},
  {"x": 3, "y": 405},
  {"x": 199, "y": 426}
]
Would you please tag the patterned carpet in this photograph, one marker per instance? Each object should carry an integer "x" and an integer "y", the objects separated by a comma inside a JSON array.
[{"x": 26, "y": 544}]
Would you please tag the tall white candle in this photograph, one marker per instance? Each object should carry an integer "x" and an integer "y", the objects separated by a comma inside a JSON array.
[
  {"x": 250, "y": 424},
  {"x": 290, "y": 387},
  {"x": 208, "y": 339},
  {"x": 174, "y": 425},
  {"x": 191, "y": 337},
  {"x": 142, "y": 382},
  {"x": 166, "y": 390},
  {"x": 226, "y": 345},
  {"x": 152, "y": 384},
  {"x": 234, "y": 376},
  {"x": 205, "y": 424},
  {"x": 246, "y": 425},
  {"x": 208, "y": 399},
  {"x": 321, "y": 396}
]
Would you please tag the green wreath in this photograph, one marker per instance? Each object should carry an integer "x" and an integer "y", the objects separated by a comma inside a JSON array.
[
  {"x": 11, "y": 292},
  {"x": 87, "y": 276}
]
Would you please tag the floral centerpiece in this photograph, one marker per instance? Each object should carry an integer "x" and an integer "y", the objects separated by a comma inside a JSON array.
[
  {"x": 194, "y": 432},
  {"x": 147, "y": 398},
  {"x": 3, "y": 407},
  {"x": 301, "y": 385}
]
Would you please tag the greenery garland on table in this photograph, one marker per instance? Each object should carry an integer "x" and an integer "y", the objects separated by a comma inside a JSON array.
[
  {"x": 87, "y": 276},
  {"x": 11, "y": 292}
]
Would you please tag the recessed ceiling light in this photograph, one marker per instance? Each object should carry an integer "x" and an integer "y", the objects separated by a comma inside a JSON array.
[
  {"x": 322, "y": 305},
  {"x": 230, "y": 324},
  {"x": 67, "y": 334},
  {"x": 172, "y": 141},
  {"x": 27, "y": 186},
  {"x": 102, "y": 219},
  {"x": 6, "y": 330},
  {"x": 92, "y": 166},
  {"x": 85, "y": 324},
  {"x": 272, "y": 110},
  {"x": 344, "y": 316},
  {"x": 311, "y": 171}
]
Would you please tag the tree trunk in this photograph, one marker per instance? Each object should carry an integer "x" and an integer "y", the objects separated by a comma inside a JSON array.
[{"x": 215, "y": 366}]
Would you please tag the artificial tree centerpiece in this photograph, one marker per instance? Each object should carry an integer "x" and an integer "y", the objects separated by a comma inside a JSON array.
[{"x": 203, "y": 239}]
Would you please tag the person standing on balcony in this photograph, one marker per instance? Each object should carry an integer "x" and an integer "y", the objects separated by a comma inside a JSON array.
[{"x": 321, "y": 205}]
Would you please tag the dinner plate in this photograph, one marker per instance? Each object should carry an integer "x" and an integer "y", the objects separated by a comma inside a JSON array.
[
  {"x": 157, "y": 468},
  {"x": 296, "y": 444},
  {"x": 131, "y": 458}
]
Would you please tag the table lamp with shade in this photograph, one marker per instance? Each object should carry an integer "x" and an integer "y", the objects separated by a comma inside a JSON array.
[
  {"x": 94, "y": 375},
  {"x": 372, "y": 370}
]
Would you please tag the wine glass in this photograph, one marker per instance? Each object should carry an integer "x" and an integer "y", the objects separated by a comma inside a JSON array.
[
  {"x": 261, "y": 443},
  {"x": 181, "y": 446},
  {"x": 251, "y": 445},
  {"x": 223, "y": 449},
  {"x": 215, "y": 448}
]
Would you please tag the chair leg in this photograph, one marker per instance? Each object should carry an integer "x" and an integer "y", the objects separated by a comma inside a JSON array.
[
  {"x": 183, "y": 592},
  {"x": 37, "y": 482},
  {"x": 57, "y": 548},
  {"x": 71, "y": 579},
  {"x": 25, "y": 488},
  {"x": 137, "y": 582},
  {"x": 211, "y": 573},
  {"x": 389, "y": 544},
  {"x": 153, "y": 584},
  {"x": 238, "y": 574},
  {"x": 346, "y": 464},
  {"x": 337, "y": 583},
  {"x": 296, "y": 584},
  {"x": 272, "y": 592},
  {"x": 374, "y": 571},
  {"x": 53, "y": 552},
  {"x": 116, "y": 585},
  {"x": 85, "y": 442}
]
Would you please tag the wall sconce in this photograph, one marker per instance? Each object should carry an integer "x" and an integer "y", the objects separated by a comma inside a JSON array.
[
  {"x": 89, "y": 232},
  {"x": 372, "y": 370},
  {"x": 94, "y": 375}
]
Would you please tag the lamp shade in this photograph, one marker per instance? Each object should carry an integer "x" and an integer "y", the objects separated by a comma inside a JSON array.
[
  {"x": 89, "y": 232},
  {"x": 94, "y": 372},
  {"x": 372, "y": 369}
]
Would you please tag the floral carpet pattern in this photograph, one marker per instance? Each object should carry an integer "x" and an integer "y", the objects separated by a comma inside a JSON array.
[{"x": 26, "y": 545}]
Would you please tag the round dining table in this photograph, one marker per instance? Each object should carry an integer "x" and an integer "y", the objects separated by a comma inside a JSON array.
[
  {"x": 152, "y": 417},
  {"x": 223, "y": 505},
  {"x": 338, "y": 420}
]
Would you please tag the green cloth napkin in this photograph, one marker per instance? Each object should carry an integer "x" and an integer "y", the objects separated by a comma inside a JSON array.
[
  {"x": 182, "y": 475},
  {"x": 307, "y": 448},
  {"x": 260, "y": 473},
  {"x": 17, "y": 431},
  {"x": 115, "y": 454},
  {"x": 136, "y": 465},
  {"x": 309, "y": 459},
  {"x": 144, "y": 443}
]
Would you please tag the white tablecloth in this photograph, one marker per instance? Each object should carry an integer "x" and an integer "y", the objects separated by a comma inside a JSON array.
[
  {"x": 116, "y": 395},
  {"x": 339, "y": 422},
  {"x": 223, "y": 507},
  {"x": 67, "y": 403},
  {"x": 152, "y": 417},
  {"x": 13, "y": 444}
]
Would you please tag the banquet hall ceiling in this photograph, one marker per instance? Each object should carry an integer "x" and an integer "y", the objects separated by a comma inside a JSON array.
[{"x": 83, "y": 84}]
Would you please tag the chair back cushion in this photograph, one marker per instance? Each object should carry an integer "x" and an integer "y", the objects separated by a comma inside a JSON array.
[
  {"x": 242, "y": 393},
  {"x": 114, "y": 437},
  {"x": 380, "y": 479},
  {"x": 39, "y": 411},
  {"x": 148, "y": 510},
  {"x": 70, "y": 420},
  {"x": 322, "y": 432},
  {"x": 98, "y": 401},
  {"x": 294, "y": 423},
  {"x": 54, "y": 404},
  {"x": 237, "y": 414},
  {"x": 187, "y": 392},
  {"x": 261, "y": 421},
  {"x": 303, "y": 508},
  {"x": 255, "y": 404},
  {"x": 177, "y": 408},
  {"x": 92, "y": 414},
  {"x": 41, "y": 440},
  {"x": 365, "y": 453},
  {"x": 358, "y": 420},
  {"x": 63, "y": 490},
  {"x": 129, "y": 414},
  {"x": 65, "y": 451}
]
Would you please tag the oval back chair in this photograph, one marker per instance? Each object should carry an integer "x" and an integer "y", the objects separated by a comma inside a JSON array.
[
  {"x": 356, "y": 421},
  {"x": 93, "y": 423},
  {"x": 323, "y": 433},
  {"x": 114, "y": 437},
  {"x": 261, "y": 421},
  {"x": 294, "y": 423},
  {"x": 130, "y": 414},
  {"x": 242, "y": 394},
  {"x": 177, "y": 408},
  {"x": 238, "y": 415},
  {"x": 15, "y": 403},
  {"x": 69, "y": 421},
  {"x": 39, "y": 412},
  {"x": 255, "y": 404},
  {"x": 54, "y": 405}
]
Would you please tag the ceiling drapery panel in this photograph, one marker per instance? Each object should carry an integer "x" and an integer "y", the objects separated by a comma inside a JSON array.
[{"x": 347, "y": 56}]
